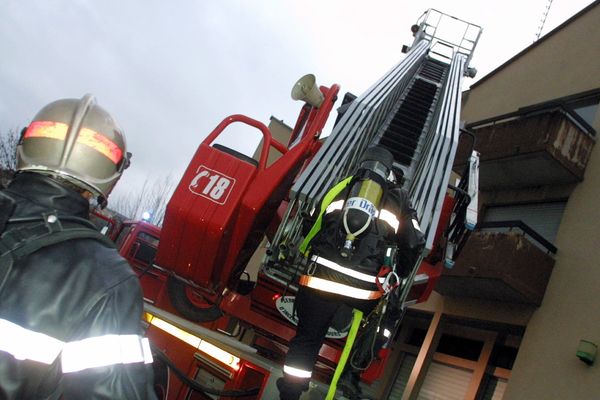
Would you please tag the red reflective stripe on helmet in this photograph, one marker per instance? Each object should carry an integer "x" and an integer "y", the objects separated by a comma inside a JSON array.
[
  {"x": 48, "y": 129},
  {"x": 100, "y": 143},
  {"x": 88, "y": 137}
]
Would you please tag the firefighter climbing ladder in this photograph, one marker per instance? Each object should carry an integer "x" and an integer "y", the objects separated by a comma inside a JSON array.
[{"x": 413, "y": 111}]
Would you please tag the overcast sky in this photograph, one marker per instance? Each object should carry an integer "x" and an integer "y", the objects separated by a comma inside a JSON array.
[{"x": 170, "y": 71}]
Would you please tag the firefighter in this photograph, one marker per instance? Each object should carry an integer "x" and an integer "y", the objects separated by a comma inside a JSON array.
[
  {"x": 363, "y": 223},
  {"x": 70, "y": 306}
]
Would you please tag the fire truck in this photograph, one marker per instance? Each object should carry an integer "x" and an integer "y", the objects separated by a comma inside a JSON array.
[
  {"x": 108, "y": 222},
  {"x": 219, "y": 277}
]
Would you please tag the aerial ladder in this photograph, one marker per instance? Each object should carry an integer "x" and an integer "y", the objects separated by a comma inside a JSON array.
[
  {"x": 226, "y": 202},
  {"x": 413, "y": 111}
]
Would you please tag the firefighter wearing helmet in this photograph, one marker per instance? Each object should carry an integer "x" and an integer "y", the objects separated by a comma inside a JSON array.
[
  {"x": 70, "y": 305},
  {"x": 362, "y": 240},
  {"x": 78, "y": 142}
]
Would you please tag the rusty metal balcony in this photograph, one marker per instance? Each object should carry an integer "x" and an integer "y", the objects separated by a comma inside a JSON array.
[
  {"x": 502, "y": 261},
  {"x": 532, "y": 147}
]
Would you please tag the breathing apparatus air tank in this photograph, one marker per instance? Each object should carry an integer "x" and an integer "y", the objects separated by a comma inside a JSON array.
[{"x": 365, "y": 195}]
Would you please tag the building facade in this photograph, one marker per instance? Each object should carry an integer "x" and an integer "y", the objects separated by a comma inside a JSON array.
[{"x": 506, "y": 322}]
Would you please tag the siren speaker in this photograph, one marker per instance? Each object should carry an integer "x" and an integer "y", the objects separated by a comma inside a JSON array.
[{"x": 306, "y": 89}]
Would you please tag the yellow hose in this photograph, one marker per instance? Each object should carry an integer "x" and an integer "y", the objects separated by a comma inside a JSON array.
[{"x": 345, "y": 353}]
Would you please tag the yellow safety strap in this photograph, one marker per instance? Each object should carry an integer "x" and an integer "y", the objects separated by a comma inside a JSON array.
[
  {"x": 358, "y": 315},
  {"x": 329, "y": 197}
]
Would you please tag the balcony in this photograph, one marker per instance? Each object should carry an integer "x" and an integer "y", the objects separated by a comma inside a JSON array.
[
  {"x": 532, "y": 147},
  {"x": 501, "y": 261}
]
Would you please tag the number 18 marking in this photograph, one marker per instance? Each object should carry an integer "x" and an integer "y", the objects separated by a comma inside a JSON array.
[{"x": 211, "y": 184}]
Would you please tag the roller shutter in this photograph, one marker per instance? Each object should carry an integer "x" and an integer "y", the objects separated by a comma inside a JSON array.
[
  {"x": 402, "y": 378},
  {"x": 444, "y": 382},
  {"x": 544, "y": 218}
]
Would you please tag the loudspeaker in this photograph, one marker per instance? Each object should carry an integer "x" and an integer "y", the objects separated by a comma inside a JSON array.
[{"x": 306, "y": 89}]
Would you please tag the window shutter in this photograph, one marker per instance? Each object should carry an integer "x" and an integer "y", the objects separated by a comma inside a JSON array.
[
  {"x": 402, "y": 378},
  {"x": 544, "y": 218},
  {"x": 445, "y": 382},
  {"x": 494, "y": 390}
]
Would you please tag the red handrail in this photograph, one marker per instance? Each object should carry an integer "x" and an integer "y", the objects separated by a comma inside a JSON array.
[{"x": 267, "y": 142}]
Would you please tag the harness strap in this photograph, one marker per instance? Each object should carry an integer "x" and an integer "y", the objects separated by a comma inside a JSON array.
[
  {"x": 7, "y": 206},
  {"x": 390, "y": 280},
  {"x": 41, "y": 232},
  {"x": 329, "y": 197}
]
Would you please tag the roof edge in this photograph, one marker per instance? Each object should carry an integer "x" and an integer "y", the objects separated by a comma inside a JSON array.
[{"x": 534, "y": 44}]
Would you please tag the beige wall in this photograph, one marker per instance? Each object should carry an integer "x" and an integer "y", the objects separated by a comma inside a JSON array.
[
  {"x": 546, "y": 366},
  {"x": 566, "y": 63},
  {"x": 280, "y": 132}
]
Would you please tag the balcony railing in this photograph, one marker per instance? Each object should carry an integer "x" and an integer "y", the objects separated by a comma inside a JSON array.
[
  {"x": 549, "y": 146},
  {"x": 502, "y": 226},
  {"x": 510, "y": 263}
]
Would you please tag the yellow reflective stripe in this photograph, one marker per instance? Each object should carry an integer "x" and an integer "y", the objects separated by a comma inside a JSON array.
[
  {"x": 216, "y": 352},
  {"x": 338, "y": 288},
  {"x": 345, "y": 270},
  {"x": 25, "y": 344},
  {"x": 329, "y": 197},
  {"x": 104, "y": 350},
  {"x": 179, "y": 333},
  {"x": 194, "y": 341},
  {"x": 390, "y": 218},
  {"x": 297, "y": 372}
]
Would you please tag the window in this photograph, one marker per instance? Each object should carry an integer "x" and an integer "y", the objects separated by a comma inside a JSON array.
[
  {"x": 587, "y": 112},
  {"x": 586, "y": 108},
  {"x": 460, "y": 347},
  {"x": 143, "y": 252},
  {"x": 402, "y": 378},
  {"x": 417, "y": 337},
  {"x": 122, "y": 236},
  {"x": 503, "y": 356},
  {"x": 582, "y": 107},
  {"x": 493, "y": 388},
  {"x": 145, "y": 248},
  {"x": 153, "y": 240},
  {"x": 471, "y": 359}
]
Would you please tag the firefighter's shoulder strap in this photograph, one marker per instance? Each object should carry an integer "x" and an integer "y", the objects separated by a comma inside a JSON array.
[
  {"x": 327, "y": 199},
  {"x": 30, "y": 234},
  {"x": 44, "y": 231}
]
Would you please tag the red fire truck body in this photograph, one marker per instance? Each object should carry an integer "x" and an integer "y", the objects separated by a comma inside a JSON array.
[{"x": 227, "y": 367}]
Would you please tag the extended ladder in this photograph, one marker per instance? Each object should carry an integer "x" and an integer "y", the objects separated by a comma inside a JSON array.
[{"x": 413, "y": 110}]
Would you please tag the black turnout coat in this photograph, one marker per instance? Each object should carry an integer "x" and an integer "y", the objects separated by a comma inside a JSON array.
[{"x": 68, "y": 310}]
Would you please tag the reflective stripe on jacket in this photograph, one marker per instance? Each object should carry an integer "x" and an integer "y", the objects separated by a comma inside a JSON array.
[
  {"x": 99, "y": 351},
  {"x": 70, "y": 313},
  {"x": 356, "y": 276}
]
